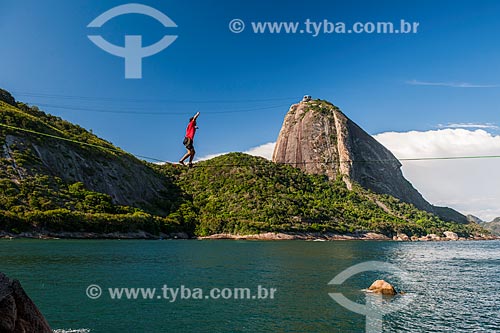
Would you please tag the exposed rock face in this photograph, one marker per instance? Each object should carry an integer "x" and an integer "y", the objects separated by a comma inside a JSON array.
[
  {"x": 382, "y": 287},
  {"x": 318, "y": 138},
  {"x": 313, "y": 138},
  {"x": 124, "y": 178},
  {"x": 430, "y": 237},
  {"x": 129, "y": 181},
  {"x": 402, "y": 237},
  {"x": 451, "y": 235},
  {"x": 474, "y": 219},
  {"x": 18, "y": 313},
  {"x": 493, "y": 226}
]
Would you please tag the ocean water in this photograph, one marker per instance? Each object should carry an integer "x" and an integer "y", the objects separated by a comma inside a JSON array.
[{"x": 449, "y": 286}]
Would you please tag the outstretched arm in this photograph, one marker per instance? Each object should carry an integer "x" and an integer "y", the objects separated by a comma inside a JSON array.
[{"x": 196, "y": 115}]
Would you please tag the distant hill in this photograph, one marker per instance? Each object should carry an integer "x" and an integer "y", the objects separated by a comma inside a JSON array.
[
  {"x": 474, "y": 219},
  {"x": 58, "y": 177},
  {"x": 493, "y": 226}
]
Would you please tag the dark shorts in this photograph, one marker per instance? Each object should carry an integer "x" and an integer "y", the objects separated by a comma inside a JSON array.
[{"x": 188, "y": 143}]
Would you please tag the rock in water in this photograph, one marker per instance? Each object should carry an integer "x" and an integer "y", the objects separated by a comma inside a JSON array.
[
  {"x": 382, "y": 287},
  {"x": 18, "y": 313},
  {"x": 319, "y": 139}
]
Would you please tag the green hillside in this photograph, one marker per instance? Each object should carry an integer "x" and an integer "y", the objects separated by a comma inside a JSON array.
[
  {"x": 238, "y": 193},
  {"x": 56, "y": 176},
  {"x": 44, "y": 188}
]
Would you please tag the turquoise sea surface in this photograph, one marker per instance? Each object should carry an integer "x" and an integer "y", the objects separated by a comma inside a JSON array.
[{"x": 450, "y": 286}]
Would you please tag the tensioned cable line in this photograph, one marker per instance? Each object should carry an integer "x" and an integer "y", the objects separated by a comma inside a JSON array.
[
  {"x": 229, "y": 165},
  {"x": 78, "y": 142},
  {"x": 76, "y": 108},
  {"x": 149, "y": 100}
]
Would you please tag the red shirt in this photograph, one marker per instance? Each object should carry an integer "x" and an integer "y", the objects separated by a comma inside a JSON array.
[{"x": 191, "y": 129}]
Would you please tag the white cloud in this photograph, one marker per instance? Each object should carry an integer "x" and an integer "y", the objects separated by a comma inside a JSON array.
[
  {"x": 471, "y": 186},
  {"x": 451, "y": 84},
  {"x": 469, "y": 125},
  {"x": 265, "y": 150}
]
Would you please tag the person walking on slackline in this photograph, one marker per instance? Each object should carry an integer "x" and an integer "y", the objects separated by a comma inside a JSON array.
[{"x": 189, "y": 140}]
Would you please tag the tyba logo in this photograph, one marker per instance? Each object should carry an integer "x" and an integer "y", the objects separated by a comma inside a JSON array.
[
  {"x": 133, "y": 52},
  {"x": 375, "y": 307}
]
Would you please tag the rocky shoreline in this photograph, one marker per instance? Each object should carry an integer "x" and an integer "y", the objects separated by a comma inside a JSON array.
[
  {"x": 306, "y": 236},
  {"x": 447, "y": 236},
  {"x": 18, "y": 313}
]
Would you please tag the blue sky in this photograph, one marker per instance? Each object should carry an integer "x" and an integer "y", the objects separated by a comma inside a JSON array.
[
  {"x": 447, "y": 73},
  {"x": 46, "y": 51}
]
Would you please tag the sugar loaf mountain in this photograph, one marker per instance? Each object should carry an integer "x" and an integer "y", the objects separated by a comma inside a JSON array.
[
  {"x": 328, "y": 178},
  {"x": 318, "y": 138}
]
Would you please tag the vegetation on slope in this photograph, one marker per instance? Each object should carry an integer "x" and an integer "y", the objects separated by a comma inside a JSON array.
[
  {"x": 238, "y": 193},
  {"x": 233, "y": 193},
  {"x": 35, "y": 197},
  {"x": 43, "y": 203},
  {"x": 30, "y": 117}
]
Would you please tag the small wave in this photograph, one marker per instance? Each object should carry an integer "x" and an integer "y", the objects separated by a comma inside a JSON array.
[{"x": 70, "y": 330}]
